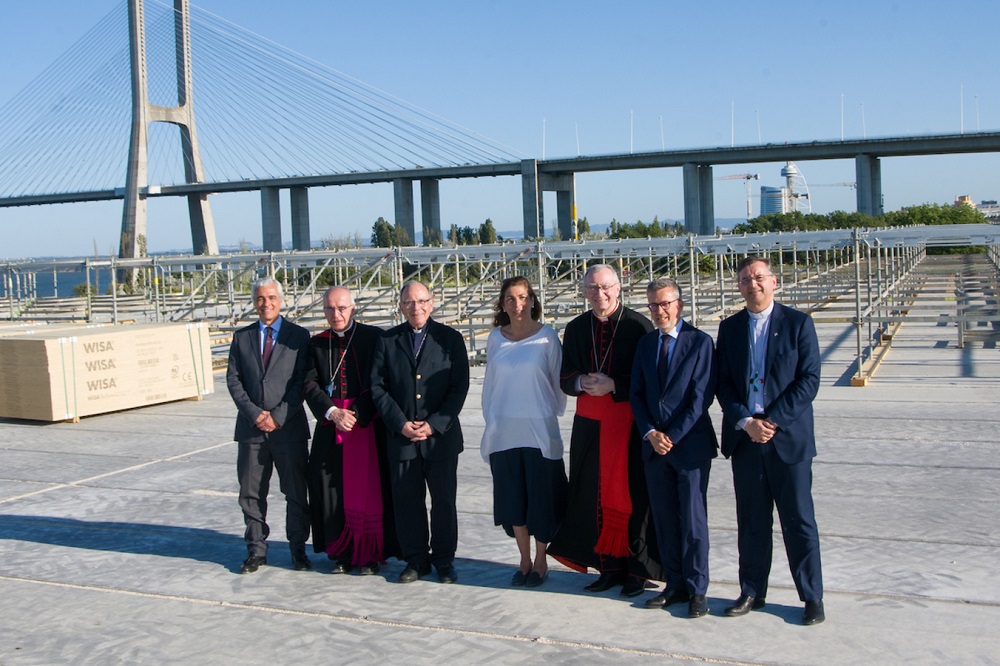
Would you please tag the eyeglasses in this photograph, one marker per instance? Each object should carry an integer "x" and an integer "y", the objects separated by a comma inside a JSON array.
[
  {"x": 594, "y": 288},
  {"x": 421, "y": 302},
  {"x": 662, "y": 305},
  {"x": 339, "y": 308},
  {"x": 759, "y": 279}
]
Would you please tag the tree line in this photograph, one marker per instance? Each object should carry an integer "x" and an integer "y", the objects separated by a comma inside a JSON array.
[
  {"x": 925, "y": 214},
  {"x": 386, "y": 234}
]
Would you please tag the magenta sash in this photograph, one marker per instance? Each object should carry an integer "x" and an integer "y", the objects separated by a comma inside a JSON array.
[{"x": 362, "y": 535}]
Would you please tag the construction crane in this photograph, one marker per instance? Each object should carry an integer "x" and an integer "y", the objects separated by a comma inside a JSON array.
[
  {"x": 746, "y": 177},
  {"x": 850, "y": 185}
]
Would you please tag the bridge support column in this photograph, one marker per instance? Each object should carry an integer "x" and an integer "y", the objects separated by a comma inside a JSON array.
[
  {"x": 202, "y": 227},
  {"x": 300, "y": 218},
  {"x": 534, "y": 225},
  {"x": 270, "y": 218},
  {"x": 564, "y": 185},
  {"x": 430, "y": 210},
  {"x": 699, "y": 204},
  {"x": 868, "y": 172},
  {"x": 402, "y": 189},
  {"x": 144, "y": 112}
]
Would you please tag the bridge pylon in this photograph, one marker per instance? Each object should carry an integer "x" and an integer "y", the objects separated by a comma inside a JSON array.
[{"x": 143, "y": 113}]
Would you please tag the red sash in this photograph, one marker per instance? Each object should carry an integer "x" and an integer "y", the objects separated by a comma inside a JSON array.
[{"x": 615, "y": 504}]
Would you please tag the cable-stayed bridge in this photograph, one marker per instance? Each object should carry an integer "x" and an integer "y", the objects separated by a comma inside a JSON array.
[
  {"x": 165, "y": 99},
  {"x": 264, "y": 114}
]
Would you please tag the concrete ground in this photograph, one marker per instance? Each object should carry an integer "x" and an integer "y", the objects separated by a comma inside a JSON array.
[{"x": 121, "y": 539}]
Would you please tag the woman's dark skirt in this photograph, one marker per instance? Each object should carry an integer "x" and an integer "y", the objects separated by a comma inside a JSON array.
[{"x": 528, "y": 490}]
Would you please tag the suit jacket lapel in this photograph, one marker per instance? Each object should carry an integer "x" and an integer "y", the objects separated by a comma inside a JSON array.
[
  {"x": 430, "y": 343},
  {"x": 404, "y": 342},
  {"x": 775, "y": 329},
  {"x": 255, "y": 345},
  {"x": 680, "y": 349},
  {"x": 280, "y": 338},
  {"x": 741, "y": 351}
]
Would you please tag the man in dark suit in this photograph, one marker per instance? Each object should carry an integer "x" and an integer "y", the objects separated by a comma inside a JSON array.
[
  {"x": 420, "y": 377},
  {"x": 267, "y": 364},
  {"x": 768, "y": 375},
  {"x": 673, "y": 385}
]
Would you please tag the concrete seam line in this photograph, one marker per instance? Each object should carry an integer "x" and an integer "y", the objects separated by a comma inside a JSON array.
[
  {"x": 131, "y": 468},
  {"x": 365, "y": 619}
]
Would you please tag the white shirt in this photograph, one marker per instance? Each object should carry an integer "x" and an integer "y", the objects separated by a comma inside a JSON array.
[
  {"x": 760, "y": 326},
  {"x": 522, "y": 400}
]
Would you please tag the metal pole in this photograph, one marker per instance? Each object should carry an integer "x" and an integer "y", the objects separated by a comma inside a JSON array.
[
  {"x": 86, "y": 265},
  {"x": 719, "y": 259},
  {"x": 541, "y": 276},
  {"x": 114, "y": 292},
  {"x": 857, "y": 300},
  {"x": 694, "y": 286},
  {"x": 156, "y": 290},
  {"x": 871, "y": 312},
  {"x": 10, "y": 291}
]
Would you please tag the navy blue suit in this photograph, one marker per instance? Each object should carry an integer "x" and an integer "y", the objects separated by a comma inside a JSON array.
[
  {"x": 778, "y": 473},
  {"x": 678, "y": 481}
]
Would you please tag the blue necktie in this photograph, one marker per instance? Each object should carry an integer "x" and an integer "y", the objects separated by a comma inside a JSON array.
[{"x": 663, "y": 362}]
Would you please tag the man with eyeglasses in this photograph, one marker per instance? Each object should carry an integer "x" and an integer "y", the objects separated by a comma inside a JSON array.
[
  {"x": 608, "y": 526},
  {"x": 349, "y": 494},
  {"x": 768, "y": 376},
  {"x": 420, "y": 378},
  {"x": 673, "y": 385}
]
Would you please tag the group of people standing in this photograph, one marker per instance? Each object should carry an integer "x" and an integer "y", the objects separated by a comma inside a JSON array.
[
  {"x": 634, "y": 505},
  {"x": 387, "y": 433}
]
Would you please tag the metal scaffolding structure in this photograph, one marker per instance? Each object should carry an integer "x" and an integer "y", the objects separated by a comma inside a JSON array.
[{"x": 859, "y": 276}]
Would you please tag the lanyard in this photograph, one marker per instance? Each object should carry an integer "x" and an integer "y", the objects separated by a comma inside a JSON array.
[
  {"x": 343, "y": 355},
  {"x": 593, "y": 340},
  {"x": 758, "y": 353}
]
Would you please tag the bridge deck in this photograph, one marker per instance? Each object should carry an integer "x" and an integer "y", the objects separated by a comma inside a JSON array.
[{"x": 120, "y": 539}]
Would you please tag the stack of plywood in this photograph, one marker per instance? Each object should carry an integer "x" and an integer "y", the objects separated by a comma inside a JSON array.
[{"x": 61, "y": 373}]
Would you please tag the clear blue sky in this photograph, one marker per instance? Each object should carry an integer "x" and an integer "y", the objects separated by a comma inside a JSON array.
[{"x": 586, "y": 69}]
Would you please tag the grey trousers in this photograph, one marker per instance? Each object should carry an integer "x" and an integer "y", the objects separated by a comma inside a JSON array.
[{"x": 255, "y": 462}]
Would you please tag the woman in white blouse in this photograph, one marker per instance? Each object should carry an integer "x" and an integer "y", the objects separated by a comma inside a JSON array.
[{"x": 522, "y": 403}]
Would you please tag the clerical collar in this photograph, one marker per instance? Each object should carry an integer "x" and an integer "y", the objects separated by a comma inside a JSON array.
[
  {"x": 763, "y": 314},
  {"x": 341, "y": 334},
  {"x": 417, "y": 331},
  {"x": 604, "y": 319}
]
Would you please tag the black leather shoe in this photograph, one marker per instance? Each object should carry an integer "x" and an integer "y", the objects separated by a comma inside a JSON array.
[
  {"x": 519, "y": 579},
  {"x": 447, "y": 574},
  {"x": 814, "y": 613},
  {"x": 412, "y": 572},
  {"x": 300, "y": 562},
  {"x": 535, "y": 580},
  {"x": 606, "y": 581},
  {"x": 743, "y": 605},
  {"x": 252, "y": 563},
  {"x": 668, "y": 598},
  {"x": 697, "y": 605},
  {"x": 633, "y": 587},
  {"x": 341, "y": 568},
  {"x": 369, "y": 569}
]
